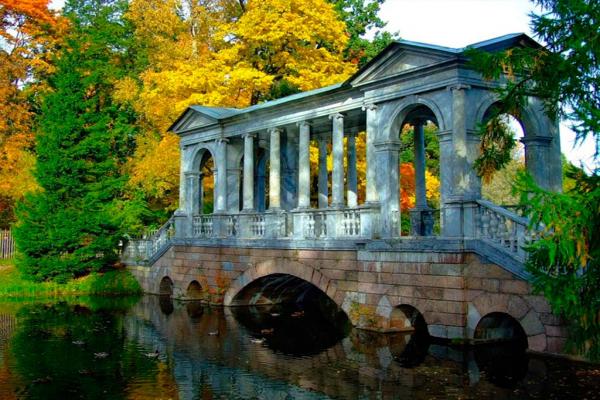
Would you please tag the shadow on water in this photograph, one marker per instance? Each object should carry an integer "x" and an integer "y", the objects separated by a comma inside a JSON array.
[
  {"x": 290, "y": 329},
  {"x": 107, "y": 349},
  {"x": 504, "y": 364}
]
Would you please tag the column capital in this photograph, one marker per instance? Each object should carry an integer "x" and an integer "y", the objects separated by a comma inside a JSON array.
[
  {"x": 458, "y": 86},
  {"x": 248, "y": 135},
  {"x": 275, "y": 130},
  {"x": 301, "y": 124},
  {"x": 336, "y": 116},
  {"x": 222, "y": 140},
  {"x": 191, "y": 174},
  {"x": 369, "y": 107}
]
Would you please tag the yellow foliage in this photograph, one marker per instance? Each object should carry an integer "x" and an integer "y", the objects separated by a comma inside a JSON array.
[{"x": 215, "y": 53}]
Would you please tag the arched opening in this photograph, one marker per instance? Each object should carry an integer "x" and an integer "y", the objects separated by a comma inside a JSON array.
[
  {"x": 165, "y": 288},
  {"x": 194, "y": 291},
  {"x": 207, "y": 184},
  {"x": 407, "y": 318},
  {"x": 410, "y": 345},
  {"x": 500, "y": 327},
  {"x": 419, "y": 172},
  {"x": 502, "y": 354},
  {"x": 290, "y": 314},
  {"x": 498, "y": 189}
]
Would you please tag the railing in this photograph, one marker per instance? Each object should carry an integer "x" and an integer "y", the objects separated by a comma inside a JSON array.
[
  {"x": 336, "y": 224},
  {"x": 202, "y": 226},
  {"x": 256, "y": 225},
  {"x": 144, "y": 248},
  {"x": 503, "y": 229},
  {"x": 7, "y": 245},
  {"x": 315, "y": 225}
]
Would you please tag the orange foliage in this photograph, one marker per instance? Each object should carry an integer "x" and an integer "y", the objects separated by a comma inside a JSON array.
[
  {"x": 35, "y": 9},
  {"x": 408, "y": 186},
  {"x": 29, "y": 33}
]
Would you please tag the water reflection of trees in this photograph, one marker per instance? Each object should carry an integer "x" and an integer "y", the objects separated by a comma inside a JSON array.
[{"x": 76, "y": 350}]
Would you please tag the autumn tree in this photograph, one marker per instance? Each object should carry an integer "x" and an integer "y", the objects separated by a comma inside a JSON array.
[
  {"x": 564, "y": 260},
  {"x": 221, "y": 53},
  {"x": 29, "y": 34},
  {"x": 72, "y": 226}
]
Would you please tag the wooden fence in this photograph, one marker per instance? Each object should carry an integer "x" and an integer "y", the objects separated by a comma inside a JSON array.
[{"x": 7, "y": 245}]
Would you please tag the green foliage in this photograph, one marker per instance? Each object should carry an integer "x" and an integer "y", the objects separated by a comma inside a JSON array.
[
  {"x": 497, "y": 144},
  {"x": 565, "y": 259},
  {"x": 361, "y": 16},
  {"x": 72, "y": 226},
  {"x": 432, "y": 148},
  {"x": 45, "y": 349},
  {"x": 566, "y": 76},
  {"x": 117, "y": 282}
]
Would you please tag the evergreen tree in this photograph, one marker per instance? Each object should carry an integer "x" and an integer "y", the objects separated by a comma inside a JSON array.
[
  {"x": 565, "y": 259},
  {"x": 71, "y": 226}
]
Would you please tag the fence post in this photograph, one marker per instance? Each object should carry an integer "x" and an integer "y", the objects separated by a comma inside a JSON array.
[{"x": 7, "y": 245}]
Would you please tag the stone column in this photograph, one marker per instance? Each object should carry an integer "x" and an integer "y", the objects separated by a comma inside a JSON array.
[
  {"x": 248, "y": 172},
  {"x": 389, "y": 187},
  {"x": 371, "y": 196},
  {"x": 421, "y": 218},
  {"x": 419, "y": 152},
  {"x": 352, "y": 193},
  {"x": 304, "y": 165},
  {"x": 337, "y": 176},
  {"x": 275, "y": 169},
  {"x": 323, "y": 176},
  {"x": 458, "y": 213},
  {"x": 193, "y": 192},
  {"x": 537, "y": 161},
  {"x": 220, "y": 205}
]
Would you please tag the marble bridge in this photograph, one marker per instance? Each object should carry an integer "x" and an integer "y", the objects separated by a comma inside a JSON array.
[{"x": 255, "y": 226}]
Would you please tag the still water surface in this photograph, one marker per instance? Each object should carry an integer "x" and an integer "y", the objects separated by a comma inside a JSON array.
[{"x": 152, "y": 348}]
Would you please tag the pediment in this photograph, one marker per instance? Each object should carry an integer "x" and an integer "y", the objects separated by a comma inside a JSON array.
[
  {"x": 199, "y": 116},
  {"x": 397, "y": 60},
  {"x": 191, "y": 119}
]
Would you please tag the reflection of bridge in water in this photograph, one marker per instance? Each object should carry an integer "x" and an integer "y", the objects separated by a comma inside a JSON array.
[
  {"x": 390, "y": 365},
  {"x": 465, "y": 280}
]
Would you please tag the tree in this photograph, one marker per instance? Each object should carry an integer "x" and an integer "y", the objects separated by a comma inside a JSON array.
[
  {"x": 72, "y": 225},
  {"x": 221, "y": 53},
  {"x": 565, "y": 259},
  {"x": 30, "y": 33},
  {"x": 362, "y": 17}
]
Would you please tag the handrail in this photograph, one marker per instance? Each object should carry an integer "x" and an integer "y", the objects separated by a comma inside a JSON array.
[
  {"x": 503, "y": 229},
  {"x": 143, "y": 249}
]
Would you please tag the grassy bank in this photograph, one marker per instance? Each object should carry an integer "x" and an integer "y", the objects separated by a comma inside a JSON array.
[{"x": 114, "y": 283}]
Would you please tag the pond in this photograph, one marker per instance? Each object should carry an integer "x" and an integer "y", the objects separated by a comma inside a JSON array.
[{"x": 154, "y": 348}]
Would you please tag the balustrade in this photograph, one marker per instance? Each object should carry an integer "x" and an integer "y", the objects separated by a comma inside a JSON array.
[
  {"x": 202, "y": 226},
  {"x": 502, "y": 228}
]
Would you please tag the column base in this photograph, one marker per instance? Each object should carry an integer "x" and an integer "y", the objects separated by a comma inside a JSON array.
[{"x": 421, "y": 222}]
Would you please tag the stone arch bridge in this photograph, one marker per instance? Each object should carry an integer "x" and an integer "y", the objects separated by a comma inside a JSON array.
[{"x": 457, "y": 266}]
